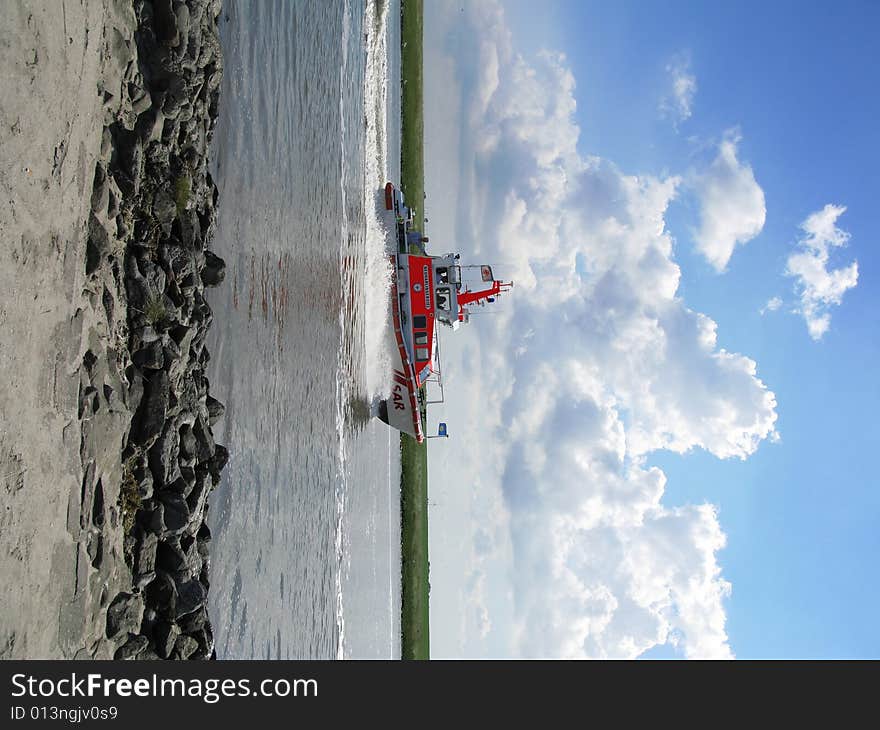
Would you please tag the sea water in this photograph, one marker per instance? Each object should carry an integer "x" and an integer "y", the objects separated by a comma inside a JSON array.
[{"x": 305, "y": 559}]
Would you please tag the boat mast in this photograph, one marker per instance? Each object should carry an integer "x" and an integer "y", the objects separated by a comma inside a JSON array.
[{"x": 469, "y": 297}]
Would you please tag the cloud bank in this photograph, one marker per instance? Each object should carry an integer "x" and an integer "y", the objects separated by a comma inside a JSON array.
[
  {"x": 818, "y": 286},
  {"x": 591, "y": 365}
]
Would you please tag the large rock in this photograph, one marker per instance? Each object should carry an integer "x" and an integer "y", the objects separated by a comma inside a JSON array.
[
  {"x": 150, "y": 126},
  {"x": 186, "y": 483},
  {"x": 171, "y": 350},
  {"x": 198, "y": 500},
  {"x": 155, "y": 518},
  {"x": 183, "y": 337},
  {"x": 165, "y": 636},
  {"x": 135, "y": 391},
  {"x": 145, "y": 553},
  {"x": 215, "y": 409},
  {"x": 205, "y": 638},
  {"x": 218, "y": 462},
  {"x": 98, "y": 246},
  {"x": 190, "y": 230},
  {"x": 161, "y": 595},
  {"x": 100, "y": 191},
  {"x": 165, "y": 23},
  {"x": 188, "y": 447},
  {"x": 176, "y": 95},
  {"x": 154, "y": 276},
  {"x": 175, "y": 513},
  {"x": 191, "y": 596},
  {"x": 178, "y": 261},
  {"x": 150, "y": 357},
  {"x": 149, "y": 621},
  {"x": 175, "y": 558},
  {"x": 194, "y": 621},
  {"x": 204, "y": 440},
  {"x": 133, "y": 648},
  {"x": 142, "y": 580},
  {"x": 204, "y": 540},
  {"x": 185, "y": 647},
  {"x": 214, "y": 271},
  {"x": 131, "y": 157},
  {"x": 164, "y": 210},
  {"x": 149, "y": 419},
  {"x": 124, "y": 614},
  {"x": 135, "y": 285},
  {"x": 142, "y": 102},
  {"x": 182, "y": 16},
  {"x": 163, "y": 456},
  {"x": 202, "y": 310}
]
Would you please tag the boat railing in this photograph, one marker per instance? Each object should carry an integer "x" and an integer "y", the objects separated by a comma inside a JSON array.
[{"x": 436, "y": 376}]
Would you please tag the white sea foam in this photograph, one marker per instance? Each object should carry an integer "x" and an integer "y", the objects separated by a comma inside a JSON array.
[{"x": 377, "y": 268}]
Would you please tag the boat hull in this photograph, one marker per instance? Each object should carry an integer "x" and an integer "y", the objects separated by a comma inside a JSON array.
[{"x": 401, "y": 410}]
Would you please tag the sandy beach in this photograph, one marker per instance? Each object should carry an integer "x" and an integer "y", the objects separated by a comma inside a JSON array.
[
  {"x": 75, "y": 208},
  {"x": 54, "y": 55}
]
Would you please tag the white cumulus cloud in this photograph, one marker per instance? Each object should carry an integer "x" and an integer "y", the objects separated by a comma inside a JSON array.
[
  {"x": 732, "y": 207},
  {"x": 818, "y": 286},
  {"x": 593, "y": 363}
]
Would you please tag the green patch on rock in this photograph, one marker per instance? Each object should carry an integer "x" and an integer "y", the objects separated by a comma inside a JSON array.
[{"x": 182, "y": 192}]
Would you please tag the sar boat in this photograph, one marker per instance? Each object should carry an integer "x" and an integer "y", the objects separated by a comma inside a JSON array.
[{"x": 426, "y": 292}]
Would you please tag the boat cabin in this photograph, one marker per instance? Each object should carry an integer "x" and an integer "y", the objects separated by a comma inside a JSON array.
[
  {"x": 428, "y": 288},
  {"x": 431, "y": 290}
]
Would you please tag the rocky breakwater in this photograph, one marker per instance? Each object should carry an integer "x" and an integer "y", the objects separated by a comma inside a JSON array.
[{"x": 153, "y": 206}]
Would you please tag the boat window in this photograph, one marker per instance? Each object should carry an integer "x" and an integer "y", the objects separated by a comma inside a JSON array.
[
  {"x": 442, "y": 300},
  {"x": 443, "y": 274},
  {"x": 422, "y": 354},
  {"x": 421, "y": 338},
  {"x": 420, "y": 322}
]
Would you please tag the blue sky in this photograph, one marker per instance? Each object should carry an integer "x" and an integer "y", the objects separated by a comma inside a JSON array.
[
  {"x": 800, "y": 515},
  {"x": 790, "y": 90}
]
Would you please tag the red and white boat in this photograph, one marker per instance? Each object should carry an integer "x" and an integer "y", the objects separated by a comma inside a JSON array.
[{"x": 426, "y": 291}]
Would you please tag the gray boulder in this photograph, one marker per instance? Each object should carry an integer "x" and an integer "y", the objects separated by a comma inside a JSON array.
[
  {"x": 124, "y": 614},
  {"x": 145, "y": 554},
  {"x": 133, "y": 648},
  {"x": 149, "y": 419},
  {"x": 163, "y": 456},
  {"x": 191, "y": 596},
  {"x": 214, "y": 271},
  {"x": 165, "y": 23},
  {"x": 165, "y": 635}
]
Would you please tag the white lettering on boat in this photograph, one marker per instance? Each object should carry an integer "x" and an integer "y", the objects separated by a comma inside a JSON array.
[{"x": 398, "y": 398}]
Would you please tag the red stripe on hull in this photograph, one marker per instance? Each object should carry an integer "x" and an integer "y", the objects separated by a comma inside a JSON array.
[{"x": 407, "y": 378}]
